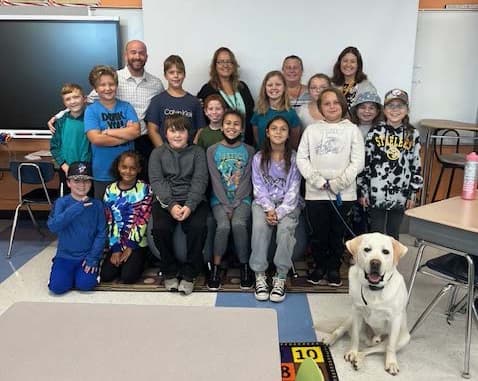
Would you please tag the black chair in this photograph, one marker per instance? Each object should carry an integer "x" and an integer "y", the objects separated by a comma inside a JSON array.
[
  {"x": 458, "y": 271},
  {"x": 453, "y": 160},
  {"x": 38, "y": 173}
]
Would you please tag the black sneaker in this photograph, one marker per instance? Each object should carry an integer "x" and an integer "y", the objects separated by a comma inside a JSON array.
[
  {"x": 247, "y": 277},
  {"x": 333, "y": 278},
  {"x": 316, "y": 276},
  {"x": 214, "y": 281}
]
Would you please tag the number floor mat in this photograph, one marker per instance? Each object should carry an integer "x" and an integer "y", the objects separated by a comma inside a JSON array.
[{"x": 307, "y": 361}]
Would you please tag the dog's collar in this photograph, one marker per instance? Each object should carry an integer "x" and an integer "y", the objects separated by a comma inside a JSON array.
[{"x": 371, "y": 287}]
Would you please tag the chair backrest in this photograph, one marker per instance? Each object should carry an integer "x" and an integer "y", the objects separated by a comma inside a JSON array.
[
  {"x": 32, "y": 172},
  {"x": 39, "y": 172},
  {"x": 446, "y": 136}
]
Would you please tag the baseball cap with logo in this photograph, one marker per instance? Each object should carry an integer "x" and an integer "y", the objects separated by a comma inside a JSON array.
[
  {"x": 396, "y": 94},
  {"x": 79, "y": 170}
]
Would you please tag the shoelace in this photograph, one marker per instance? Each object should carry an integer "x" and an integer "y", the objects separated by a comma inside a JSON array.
[
  {"x": 278, "y": 286},
  {"x": 261, "y": 285}
]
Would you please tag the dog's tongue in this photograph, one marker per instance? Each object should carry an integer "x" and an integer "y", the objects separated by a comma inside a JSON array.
[{"x": 374, "y": 277}]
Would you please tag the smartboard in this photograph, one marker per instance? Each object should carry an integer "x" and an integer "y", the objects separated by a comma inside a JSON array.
[
  {"x": 262, "y": 32},
  {"x": 445, "y": 84}
]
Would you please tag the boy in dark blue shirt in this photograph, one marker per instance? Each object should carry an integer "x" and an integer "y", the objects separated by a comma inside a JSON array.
[{"x": 79, "y": 222}]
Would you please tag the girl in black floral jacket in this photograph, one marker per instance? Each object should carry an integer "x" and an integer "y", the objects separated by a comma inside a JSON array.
[{"x": 392, "y": 175}]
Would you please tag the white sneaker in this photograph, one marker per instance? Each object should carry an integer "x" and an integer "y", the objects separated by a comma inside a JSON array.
[
  {"x": 186, "y": 287},
  {"x": 171, "y": 284},
  {"x": 278, "y": 290},
  {"x": 262, "y": 289}
]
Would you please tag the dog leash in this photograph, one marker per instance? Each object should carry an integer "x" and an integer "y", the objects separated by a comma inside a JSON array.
[{"x": 338, "y": 200}]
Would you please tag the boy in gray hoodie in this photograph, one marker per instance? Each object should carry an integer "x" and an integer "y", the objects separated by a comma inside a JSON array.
[{"x": 178, "y": 175}]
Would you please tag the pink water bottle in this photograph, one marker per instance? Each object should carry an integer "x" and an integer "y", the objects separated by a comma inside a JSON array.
[{"x": 470, "y": 178}]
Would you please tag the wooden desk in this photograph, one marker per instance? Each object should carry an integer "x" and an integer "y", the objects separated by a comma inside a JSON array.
[
  {"x": 451, "y": 224},
  {"x": 65, "y": 341},
  {"x": 431, "y": 127}
]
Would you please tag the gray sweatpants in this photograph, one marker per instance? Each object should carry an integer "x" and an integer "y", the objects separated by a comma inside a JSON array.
[
  {"x": 261, "y": 237},
  {"x": 239, "y": 223}
]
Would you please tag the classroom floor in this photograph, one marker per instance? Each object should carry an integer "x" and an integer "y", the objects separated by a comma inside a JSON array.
[{"x": 434, "y": 353}]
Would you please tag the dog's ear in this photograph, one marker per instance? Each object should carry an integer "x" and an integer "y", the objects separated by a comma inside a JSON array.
[
  {"x": 353, "y": 245},
  {"x": 399, "y": 250}
]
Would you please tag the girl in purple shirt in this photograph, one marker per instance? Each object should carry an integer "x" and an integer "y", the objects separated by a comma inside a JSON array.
[{"x": 277, "y": 204}]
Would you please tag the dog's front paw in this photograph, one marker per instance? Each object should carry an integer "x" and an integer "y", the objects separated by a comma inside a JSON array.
[
  {"x": 391, "y": 365},
  {"x": 355, "y": 358}
]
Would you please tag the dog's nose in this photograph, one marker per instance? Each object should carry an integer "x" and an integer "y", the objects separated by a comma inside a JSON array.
[{"x": 375, "y": 265}]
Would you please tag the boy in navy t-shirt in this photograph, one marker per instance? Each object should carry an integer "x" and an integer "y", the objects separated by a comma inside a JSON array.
[{"x": 175, "y": 100}]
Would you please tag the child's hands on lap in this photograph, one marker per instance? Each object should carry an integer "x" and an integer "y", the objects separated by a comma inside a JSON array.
[
  {"x": 115, "y": 258},
  {"x": 176, "y": 212},
  {"x": 184, "y": 213},
  {"x": 271, "y": 217},
  {"x": 125, "y": 254}
]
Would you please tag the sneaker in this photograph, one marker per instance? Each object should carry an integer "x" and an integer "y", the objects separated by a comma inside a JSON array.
[
  {"x": 171, "y": 284},
  {"x": 317, "y": 276},
  {"x": 214, "y": 281},
  {"x": 186, "y": 287},
  {"x": 247, "y": 277},
  {"x": 333, "y": 278},
  {"x": 278, "y": 289},
  {"x": 262, "y": 289}
]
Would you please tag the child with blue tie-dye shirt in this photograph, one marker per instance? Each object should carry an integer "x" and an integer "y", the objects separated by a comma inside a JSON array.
[{"x": 128, "y": 208}]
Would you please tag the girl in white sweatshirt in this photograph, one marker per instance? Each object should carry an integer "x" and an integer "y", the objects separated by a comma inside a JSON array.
[{"x": 330, "y": 156}]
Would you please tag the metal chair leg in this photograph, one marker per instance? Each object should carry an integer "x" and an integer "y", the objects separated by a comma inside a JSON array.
[
  {"x": 469, "y": 314},
  {"x": 451, "y": 305},
  {"x": 35, "y": 223},
  {"x": 416, "y": 265},
  {"x": 450, "y": 182},
  {"x": 14, "y": 228},
  {"x": 431, "y": 306},
  {"x": 438, "y": 183}
]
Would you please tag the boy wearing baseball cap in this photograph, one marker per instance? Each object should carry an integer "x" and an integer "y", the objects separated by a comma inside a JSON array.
[{"x": 79, "y": 222}]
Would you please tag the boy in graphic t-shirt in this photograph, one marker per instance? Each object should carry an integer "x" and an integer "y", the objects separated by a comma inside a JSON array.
[
  {"x": 175, "y": 100},
  {"x": 111, "y": 126}
]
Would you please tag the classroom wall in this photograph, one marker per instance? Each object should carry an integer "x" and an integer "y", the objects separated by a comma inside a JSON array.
[{"x": 262, "y": 33}]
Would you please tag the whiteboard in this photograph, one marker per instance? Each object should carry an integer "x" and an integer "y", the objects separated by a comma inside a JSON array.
[
  {"x": 262, "y": 32},
  {"x": 445, "y": 83}
]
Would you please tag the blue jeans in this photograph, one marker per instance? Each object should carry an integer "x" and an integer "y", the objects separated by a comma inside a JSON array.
[
  {"x": 67, "y": 274},
  {"x": 239, "y": 223},
  {"x": 261, "y": 239}
]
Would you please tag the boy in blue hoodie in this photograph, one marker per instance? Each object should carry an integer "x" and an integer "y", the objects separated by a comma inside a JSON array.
[{"x": 79, "y": 222}]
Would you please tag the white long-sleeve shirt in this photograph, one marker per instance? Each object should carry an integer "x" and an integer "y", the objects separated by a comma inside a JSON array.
[{"x": 333, "y": 152}]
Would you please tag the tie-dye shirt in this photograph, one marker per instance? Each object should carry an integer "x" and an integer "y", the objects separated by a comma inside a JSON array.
[{"x": 127, "y": 214}]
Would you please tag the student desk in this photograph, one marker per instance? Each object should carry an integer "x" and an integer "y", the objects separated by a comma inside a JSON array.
[
  {"x": 68, "y": 341},
  {"x": 432, "y": 127},
  {"x": 450, "y": 224}
]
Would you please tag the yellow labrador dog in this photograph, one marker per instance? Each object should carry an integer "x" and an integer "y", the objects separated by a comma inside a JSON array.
[{"x": 379, "y": 299}]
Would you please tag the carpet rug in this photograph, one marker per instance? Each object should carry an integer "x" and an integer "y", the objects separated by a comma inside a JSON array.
[
  {"x": 152, "y": 281},
  {"x": 306, "y": 362}
]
